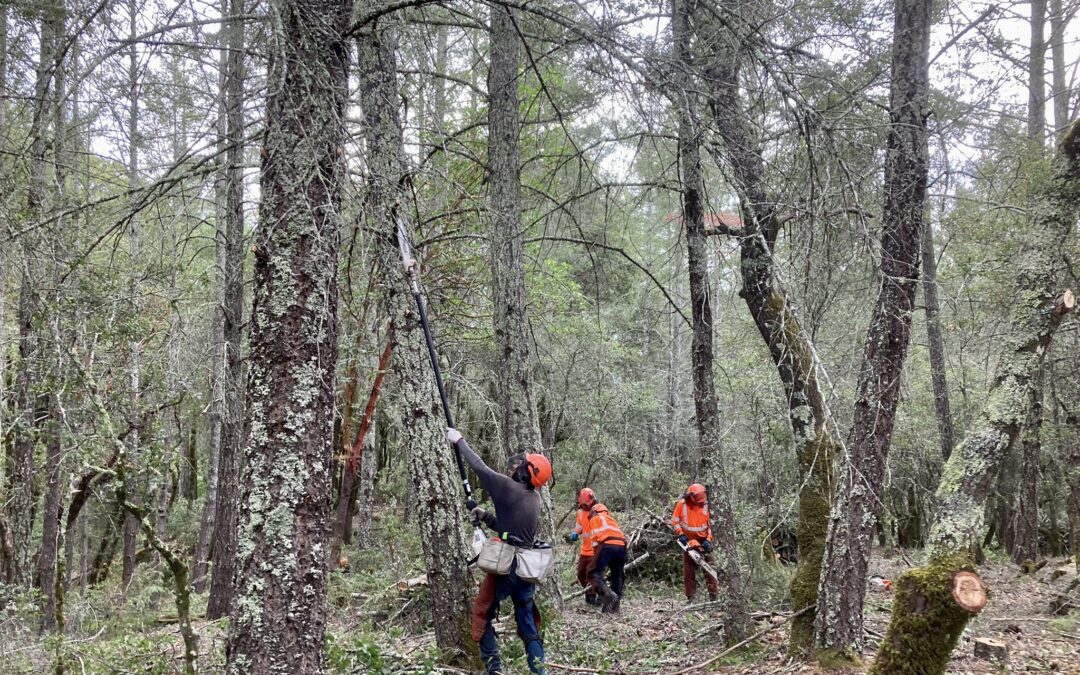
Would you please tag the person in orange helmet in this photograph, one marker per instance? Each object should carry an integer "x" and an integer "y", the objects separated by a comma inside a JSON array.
[
  {"x": 517, "y": 518},
  {"x": 610, "y": 556},
  {"x": 690, "y": 520},
  {"x": 585, "y": 501}
]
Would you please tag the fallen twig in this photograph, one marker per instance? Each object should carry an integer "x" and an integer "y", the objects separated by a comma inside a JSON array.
[{"x": 735, "y": 646}]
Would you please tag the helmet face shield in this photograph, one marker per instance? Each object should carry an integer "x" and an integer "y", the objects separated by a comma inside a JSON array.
[
  {"x": 586, "y": 498},
  {"x": 696, "y": 493}
]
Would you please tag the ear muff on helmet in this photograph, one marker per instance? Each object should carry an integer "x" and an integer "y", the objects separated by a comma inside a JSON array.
[{"x": 539, "y": 469}]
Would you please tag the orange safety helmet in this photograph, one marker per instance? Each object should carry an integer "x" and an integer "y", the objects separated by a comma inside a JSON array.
[
  {"x": 539, "y": 468},
  {"x": 696, "y": 493},
  {"x": 586, "y": 498}
]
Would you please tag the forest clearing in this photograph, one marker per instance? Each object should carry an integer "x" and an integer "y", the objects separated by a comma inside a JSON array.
[{"x": 527, "y": 336}]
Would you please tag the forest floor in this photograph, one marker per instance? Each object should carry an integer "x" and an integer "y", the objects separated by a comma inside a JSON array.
[
  {"x": 655, "y": 633},
  {"x": 374, "y": 628}
]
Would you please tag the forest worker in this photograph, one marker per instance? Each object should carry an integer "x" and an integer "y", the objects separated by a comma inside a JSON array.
[
  {"x": 586, "y": 499},
  {"x": 690, "y": 521},
  {"x": 517, "y": 520},
  {"x": 610, "y": 545}
]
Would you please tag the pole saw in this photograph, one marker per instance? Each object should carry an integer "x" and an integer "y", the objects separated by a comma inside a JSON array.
[{"x": 409, "y": 262}]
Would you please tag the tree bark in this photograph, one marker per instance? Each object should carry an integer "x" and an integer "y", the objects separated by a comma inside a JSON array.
[
  {"x": 839, "y": 625},
  {"x": 936, "y": 342},
  {"x": 815, "y": 441},
  {"x": 437, "y": 501},
  {"x": 230, "y": 464},
  {"x": 734, "y": 606},
  {"x": 1036, "y": 122},
  {"x": 519, "y": 423},
  {"x": 131, "y": 523},
  {"x": 278, "y": 616},
  {"x": 1060, "y": 90},
  {"x": 1025, "y": 548},
  {"x": 926, "y": 623}
]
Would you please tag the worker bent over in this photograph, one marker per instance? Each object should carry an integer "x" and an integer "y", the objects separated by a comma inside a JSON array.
[
  {"x": 517, "y": 520},
  {"x": 585, "y": 501},
  {"x": 610, "y": 556},
  {"x": 691, "y": 523}
]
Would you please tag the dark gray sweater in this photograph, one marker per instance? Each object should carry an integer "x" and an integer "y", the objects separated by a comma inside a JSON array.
[{"x": 517, "y": 506}]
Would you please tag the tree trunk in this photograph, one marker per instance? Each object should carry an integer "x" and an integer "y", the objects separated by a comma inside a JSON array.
[
  {"x": 519, "y": 425},
  {"x": 131, "y": 523},
  {"x": 735, "y": 609},
  {"x": 815, "y": 440},
  {"x": 230, "y": 464},
  {"x": 1025, "y": 547},
  {"x": 437, "y": 501},
  {"x": 1036, "y": 122},
  {"x": 839, "y": 625},
  {"x": 926, "y": 621},
  {"x": 936, "y": 342},
  {"x": 365, "y": 498},
  {"x": 1059, "y": 21},
  {"x": 278, "y": 617},
  {"x": 50, "y": 525}
]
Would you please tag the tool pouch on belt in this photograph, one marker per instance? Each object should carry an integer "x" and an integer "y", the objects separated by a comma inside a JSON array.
[
  {"x": 535, "y": 563},
  {"x": 496, "y": 556}
]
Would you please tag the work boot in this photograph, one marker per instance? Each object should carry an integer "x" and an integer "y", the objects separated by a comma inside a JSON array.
[
  {"x": 591, "y": 599},
  {"x": 608, "y": 598},
  {"x": 713, "y": 597}
]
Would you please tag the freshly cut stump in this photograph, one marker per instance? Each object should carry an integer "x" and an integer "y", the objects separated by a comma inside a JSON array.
[
  {"x": 969, "y": 591},
  {"x": 991, "y": 650}
]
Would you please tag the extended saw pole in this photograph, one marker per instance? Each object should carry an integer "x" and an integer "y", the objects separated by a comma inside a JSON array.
[{"x": 409, "y": 262}]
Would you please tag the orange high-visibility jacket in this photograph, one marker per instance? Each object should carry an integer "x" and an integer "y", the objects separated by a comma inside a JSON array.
[
  {"x": 582, "y": 528},
  {"x": 691, "y": 520},
  {"x": 603, "y": 529}
]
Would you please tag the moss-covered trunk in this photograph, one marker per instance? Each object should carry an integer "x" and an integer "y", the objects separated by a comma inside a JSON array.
[
  {"x": 815, "y": 441},
  {"x": 435, "y": 496},
  {"x": 278, "y": 616},
  {"x": 966, "y": 481}
]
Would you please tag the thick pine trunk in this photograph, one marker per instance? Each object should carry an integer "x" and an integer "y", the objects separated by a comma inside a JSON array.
[
  {"x": 437, "y": 501},
  {"x": 230, "y": 464},
  {"x": 839, "y": 625},
  {"x": 519, "y": 424},
  {"x": 734, "y": 607},
  {"x": 278, "y": 615},
  {"x": 926, "y": 621},
  {"x": 815, "y": 441}
]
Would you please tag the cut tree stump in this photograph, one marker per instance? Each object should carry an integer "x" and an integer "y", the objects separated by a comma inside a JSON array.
[
  {"x": 991, "y": 650},
  {"x": 969, "y": 591}
]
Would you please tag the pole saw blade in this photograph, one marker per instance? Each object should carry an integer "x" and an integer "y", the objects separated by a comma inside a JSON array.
[{"x": 407, "y": 258}]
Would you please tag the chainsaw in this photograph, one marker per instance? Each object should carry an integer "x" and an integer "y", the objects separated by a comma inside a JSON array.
[{"x": 698, "y": 559}]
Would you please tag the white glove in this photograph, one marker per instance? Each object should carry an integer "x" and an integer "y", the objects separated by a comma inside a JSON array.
[{"x": 453, "y": 435}]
